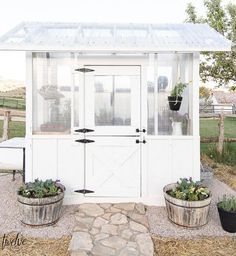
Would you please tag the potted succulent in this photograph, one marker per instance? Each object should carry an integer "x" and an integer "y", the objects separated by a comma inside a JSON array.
[
  {"x": 40, "y": 202},
  {"x": 187, "y": 203},
  {"x": 227, "y": 212},
  {"x": 175, "y": 98}
]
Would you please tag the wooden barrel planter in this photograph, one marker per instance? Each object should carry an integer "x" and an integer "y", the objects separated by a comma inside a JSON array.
[
  {"x": 190, "y": 214},
  {"x": 40, "y": 211}
]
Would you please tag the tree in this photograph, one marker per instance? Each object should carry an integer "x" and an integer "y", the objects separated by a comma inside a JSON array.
[
  {"x": 191, "y": 12},
  {"x": 204, "y": 92},
  {"x": 205, "y": 97},
  {"x": 217, "y": 66}
]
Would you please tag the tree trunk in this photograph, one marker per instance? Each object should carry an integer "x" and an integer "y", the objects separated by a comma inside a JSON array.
[
  {"x": 221, "y": 133},
  {"x": 5, "y": 133}
]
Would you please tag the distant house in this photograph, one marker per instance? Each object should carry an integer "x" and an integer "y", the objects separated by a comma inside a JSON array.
[{"x": 225, "y": 101}]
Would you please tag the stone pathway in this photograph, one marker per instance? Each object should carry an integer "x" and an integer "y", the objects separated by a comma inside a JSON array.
[{"x": 111, "y": 229}]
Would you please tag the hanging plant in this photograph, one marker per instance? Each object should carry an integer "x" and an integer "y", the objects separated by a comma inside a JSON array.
[{"x": 175, "y": 98}]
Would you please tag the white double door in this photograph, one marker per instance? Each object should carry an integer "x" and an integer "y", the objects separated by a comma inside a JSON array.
[{"x": 107, "y": 102}]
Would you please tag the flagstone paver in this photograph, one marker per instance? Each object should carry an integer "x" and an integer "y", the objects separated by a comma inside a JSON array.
[{"x": 111, "y": 229}]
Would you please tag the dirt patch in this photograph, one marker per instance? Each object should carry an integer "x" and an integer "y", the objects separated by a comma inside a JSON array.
[
  {"x": 223, "y": 246},
  {"x": 222, "y": 172},
  {"x": 37, "y": 247}
]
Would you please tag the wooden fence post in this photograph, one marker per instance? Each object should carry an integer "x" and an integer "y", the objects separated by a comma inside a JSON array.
[
  {"x": 7, "y": 117},
  {"x": 221, "y": 133}
]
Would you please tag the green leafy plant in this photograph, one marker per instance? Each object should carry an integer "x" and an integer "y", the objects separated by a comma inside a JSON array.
[
  {"x": 227, "y": 203},
  {"x": 41, "y": 189},
  {"x": 227, "y": 156},
  {"x": 189, "y": 190},
  {"x": 178, "y": 90}
]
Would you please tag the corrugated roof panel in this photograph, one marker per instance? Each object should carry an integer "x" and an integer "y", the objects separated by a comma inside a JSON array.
[{"x": 114, "y": 37}]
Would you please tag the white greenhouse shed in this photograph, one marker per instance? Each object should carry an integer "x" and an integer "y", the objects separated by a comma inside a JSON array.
[{"x": 97, "y": 112}]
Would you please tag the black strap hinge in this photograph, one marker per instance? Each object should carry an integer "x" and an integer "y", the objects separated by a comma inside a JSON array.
[
  {"x": 84, "y": 70},
  {"x": 84, "y": 130},
  {"x": 85, "y": 141},
  {"x": 84, "y": 191}
]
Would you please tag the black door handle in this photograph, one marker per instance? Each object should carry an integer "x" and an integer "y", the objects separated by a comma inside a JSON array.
[
  {"x": 143, "y": 130},
  {"x": 141, "y": 141}
]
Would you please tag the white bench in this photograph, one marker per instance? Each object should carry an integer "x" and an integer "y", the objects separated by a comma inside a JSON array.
[{"x": 12, "y": 155}]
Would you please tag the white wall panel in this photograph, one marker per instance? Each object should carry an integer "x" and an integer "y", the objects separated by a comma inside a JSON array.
[
  {"x": 169, "y": 159},
  {"x": 44, "y": 159},
  {"x": 159, "y": 166},
  {"x": 71, "y": 164},
  {"x": 182, "y": 159}
]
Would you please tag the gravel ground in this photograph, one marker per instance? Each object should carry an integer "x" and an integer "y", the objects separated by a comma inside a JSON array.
[
  {"x": 161, "y": 226},
  {"x": 10, "y": 218},
  {"x": 158, "y": 221}
]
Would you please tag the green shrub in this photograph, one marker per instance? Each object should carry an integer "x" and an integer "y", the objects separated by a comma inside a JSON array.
[
  {"x": 40, "y": 189},
  {"x": 227, "y": 156},
  {"x": 227, "y": 203},
  {"x": 189, "y": 190}
]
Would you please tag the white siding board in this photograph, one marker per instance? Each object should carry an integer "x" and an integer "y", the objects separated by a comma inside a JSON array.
[
  {"x": 70, "y": 164},
  {"x": 44, "y": 159}
]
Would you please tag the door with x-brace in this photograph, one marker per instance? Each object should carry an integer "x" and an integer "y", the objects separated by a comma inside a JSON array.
[{"x": 111, "y": 132}]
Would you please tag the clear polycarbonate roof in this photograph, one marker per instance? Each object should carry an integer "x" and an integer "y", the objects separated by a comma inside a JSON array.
[{"x": 87, "y": 37}]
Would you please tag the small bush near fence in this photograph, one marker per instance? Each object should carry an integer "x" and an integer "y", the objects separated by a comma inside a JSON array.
[
  {"x": 13, "y": 103},
  {"x": 227, "y": 157}
]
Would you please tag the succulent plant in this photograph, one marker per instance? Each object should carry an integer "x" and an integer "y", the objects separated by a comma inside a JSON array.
[{"x": 41, "y": 189}]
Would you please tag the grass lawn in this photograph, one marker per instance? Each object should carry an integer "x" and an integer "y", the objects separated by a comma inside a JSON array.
[
  {"x": 17, "y": 129},
  {"x": 209, "y": 127},
  {"x": 14, "y": 103}
]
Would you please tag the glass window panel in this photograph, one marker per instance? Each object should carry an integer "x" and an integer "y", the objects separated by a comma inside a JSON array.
[
  {"x": 51, "y": 93},
  {"x": 112, "y": 100},
  {"x": 126, "y": 32},
  {"x": 122, "y": 103},
  {"x": 169, "y": 69},
  {"x": 76, "y": 93},
  {"x": 97, "y": 32}
]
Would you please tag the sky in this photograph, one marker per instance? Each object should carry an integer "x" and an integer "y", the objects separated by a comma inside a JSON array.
[{"x": 12, "y": 64}]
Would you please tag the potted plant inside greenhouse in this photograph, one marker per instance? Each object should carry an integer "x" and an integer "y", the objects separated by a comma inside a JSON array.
[
  {"x": 227, "y": 212},
  {"x": 175, "y": 98},
  {"x": 187, "y": 203},
  {"x": 40, "y": 202}
]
